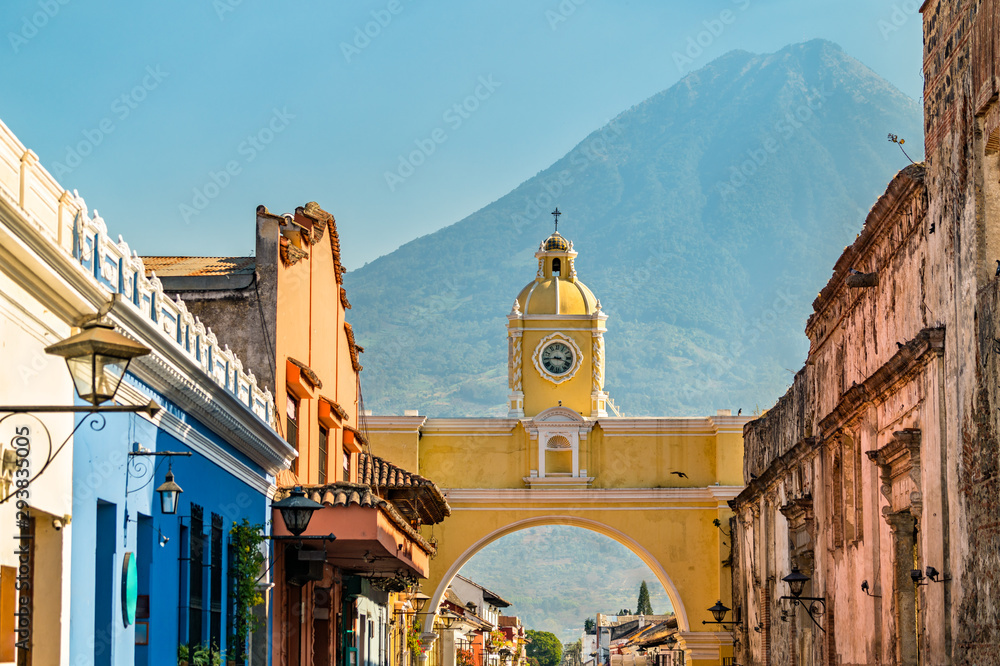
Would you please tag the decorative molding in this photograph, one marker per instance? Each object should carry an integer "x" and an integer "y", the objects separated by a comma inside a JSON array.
[
  {"x": 177, "y": 327},
  {"x": 599, "y": 498},
  {"x": 536, "y": 358},
  {"x": 394, "y": 423},
  {"x": 469, "y": 426},
  {"x": 689, "y": 426},
  {"x": 197, "y": 442},
  {"x": 597, "y": 360},
  {"x": 897, "y": 461},
  {"x": 878, "y": 387},
  {"x": 515, "y": 362},
  {"x": 210, "y": 403}
]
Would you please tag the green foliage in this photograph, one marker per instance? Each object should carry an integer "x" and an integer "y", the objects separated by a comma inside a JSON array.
[
  {"x": 544, "y": 646},
  {"x": 590, "y": 625},
  {"x": 248, "y": 558},
  {"x": 643, "y": 605},
  {"x": 707, "y": 291},
  {"x": 203, "y": 655},
  {"x": 183, "y": 653}
]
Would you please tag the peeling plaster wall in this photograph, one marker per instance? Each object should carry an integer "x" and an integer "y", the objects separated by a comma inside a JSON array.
[{"x": 889, "y": 433}]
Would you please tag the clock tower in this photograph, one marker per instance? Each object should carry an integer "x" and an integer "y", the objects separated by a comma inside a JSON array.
[{"x": 555, "y": 336}]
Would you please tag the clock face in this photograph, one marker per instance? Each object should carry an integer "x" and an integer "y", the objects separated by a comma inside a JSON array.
[{"x": 557, "y": 358}]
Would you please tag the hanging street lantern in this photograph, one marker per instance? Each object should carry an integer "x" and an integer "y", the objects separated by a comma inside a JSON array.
[
  {"x": 97, "y": 359},
  {"x": 169, "y": 493}
]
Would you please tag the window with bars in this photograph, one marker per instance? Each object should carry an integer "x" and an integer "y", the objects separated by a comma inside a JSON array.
[
  {"x": 215, "y": 576},
  {"x": 347, "y": 465},
  {"x": 292, "y": 426},
  {"x": 323, "y": 437},
  {"x": 196, "y": 599}
]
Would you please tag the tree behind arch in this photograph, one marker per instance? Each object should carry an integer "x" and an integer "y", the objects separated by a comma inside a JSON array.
[
  {"x": 544, "y": 646},
  {"x": 643, "y": 605}
]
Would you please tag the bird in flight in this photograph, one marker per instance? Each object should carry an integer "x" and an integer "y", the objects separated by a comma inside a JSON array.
[{"x": 680, "y": 474}]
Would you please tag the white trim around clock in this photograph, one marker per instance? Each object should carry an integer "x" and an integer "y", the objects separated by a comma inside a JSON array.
[{"x": 536, "y": 358}]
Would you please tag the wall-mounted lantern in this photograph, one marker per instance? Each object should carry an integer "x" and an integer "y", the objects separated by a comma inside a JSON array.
[
  {"x": 297, "y": 510},
  {"x": 796, "y": 584}
]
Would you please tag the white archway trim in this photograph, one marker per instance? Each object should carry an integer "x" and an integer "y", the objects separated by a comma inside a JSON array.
[{"x": 593, "y": 525}]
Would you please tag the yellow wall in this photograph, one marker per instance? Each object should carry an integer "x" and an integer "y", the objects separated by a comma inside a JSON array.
[{"x": 633, "y": 498}]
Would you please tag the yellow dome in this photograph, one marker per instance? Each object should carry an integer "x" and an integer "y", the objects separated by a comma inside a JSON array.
[{"x": 557, "y": 296}]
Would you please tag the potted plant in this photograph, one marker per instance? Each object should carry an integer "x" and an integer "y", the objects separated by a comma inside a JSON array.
[
  {"x": 231, "y": 655},
  {"x": 183, "y": 655},
  {"x": 200, "y": 656}
]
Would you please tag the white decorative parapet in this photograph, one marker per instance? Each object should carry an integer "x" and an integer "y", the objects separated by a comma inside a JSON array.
[{"x": 63, "y": 217}]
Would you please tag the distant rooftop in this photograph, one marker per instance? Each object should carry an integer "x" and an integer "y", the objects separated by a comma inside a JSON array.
[{"x": 198, "y": 266}]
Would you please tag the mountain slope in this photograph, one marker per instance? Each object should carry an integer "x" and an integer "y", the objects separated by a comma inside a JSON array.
[
  {"x": 706, "y": 218},
  {"x": 551, "y": 588}
]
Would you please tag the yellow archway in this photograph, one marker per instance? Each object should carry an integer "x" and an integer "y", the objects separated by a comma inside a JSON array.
[
  {"x": 606, "y": 530},
  {"x": 655, "y": 485}
]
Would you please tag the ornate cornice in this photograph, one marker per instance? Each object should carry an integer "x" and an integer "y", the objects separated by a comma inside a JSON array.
[
  {"x": 908, "y": 360},
  {"x": 172, "y": 373}
]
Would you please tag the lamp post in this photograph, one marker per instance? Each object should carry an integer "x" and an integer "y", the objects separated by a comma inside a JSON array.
[
  {"x": 672, "y": 648},
  {"x": 796, "y": 585},
  {"x": 97, "y": 359}
]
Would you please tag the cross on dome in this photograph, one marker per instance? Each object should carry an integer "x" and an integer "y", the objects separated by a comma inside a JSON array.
[{"x": 555, "y": 216}]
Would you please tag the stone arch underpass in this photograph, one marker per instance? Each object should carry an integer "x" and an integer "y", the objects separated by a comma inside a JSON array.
[{"x": 655, "y": 485}]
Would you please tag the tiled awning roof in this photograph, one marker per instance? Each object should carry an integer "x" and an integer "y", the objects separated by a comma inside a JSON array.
[
  {"x": 342, "y": 493},
  {"x": 416, "y": 497}
]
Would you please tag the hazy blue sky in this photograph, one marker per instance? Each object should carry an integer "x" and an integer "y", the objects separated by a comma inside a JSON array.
[{"x": 302, "y": 105}]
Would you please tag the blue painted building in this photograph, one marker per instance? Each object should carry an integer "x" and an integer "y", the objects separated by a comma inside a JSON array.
[{"x": 176, "y": 569}]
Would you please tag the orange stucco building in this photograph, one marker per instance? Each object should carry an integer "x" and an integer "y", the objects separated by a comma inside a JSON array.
[{"x": 284, "y": 313}]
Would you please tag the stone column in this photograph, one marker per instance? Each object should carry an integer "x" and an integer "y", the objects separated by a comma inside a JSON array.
[
  {"x": 447, "y": 647},
  {"x": 903, "y": 526}
]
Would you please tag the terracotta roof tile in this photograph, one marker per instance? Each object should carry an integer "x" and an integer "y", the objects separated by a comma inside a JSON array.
[
  {"x": 383, "y": 474},
  {"x": 199, "y": 266},
  {"x": 342, "y": 493}
]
